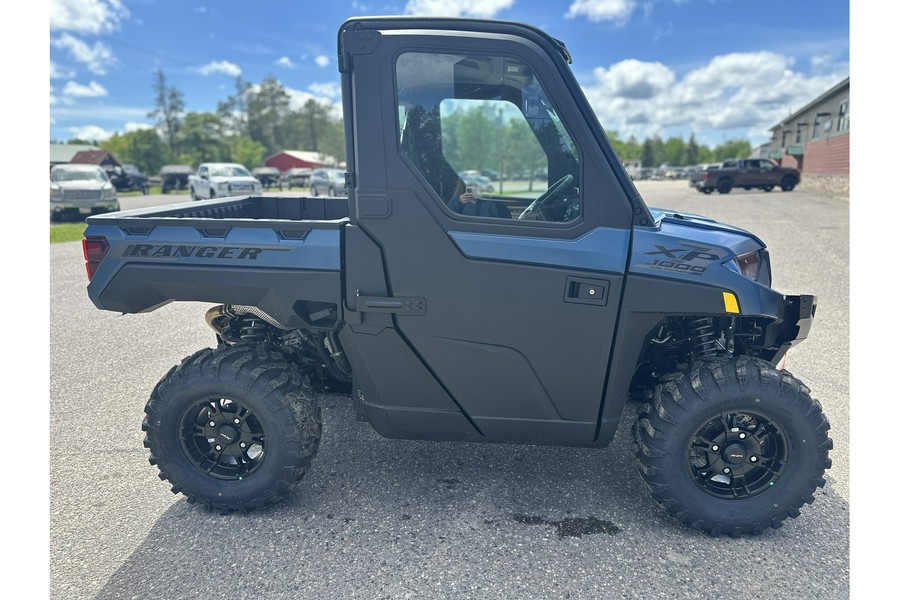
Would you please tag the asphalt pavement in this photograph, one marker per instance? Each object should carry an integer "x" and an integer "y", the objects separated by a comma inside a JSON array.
[{"x": 379, "y": 518}]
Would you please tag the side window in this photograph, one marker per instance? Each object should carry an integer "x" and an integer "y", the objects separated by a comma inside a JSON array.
[
  {"x": 483, "y": 134},
  {"x": 204, "y": 172}
]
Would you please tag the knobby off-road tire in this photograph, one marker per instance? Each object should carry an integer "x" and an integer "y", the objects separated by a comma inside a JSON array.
[
  {"x": 233, "y": 429},
  {"x": 732, "y": 446}
]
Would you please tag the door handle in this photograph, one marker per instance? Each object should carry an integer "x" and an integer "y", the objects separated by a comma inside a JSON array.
[{"x": 581, "y": 290}]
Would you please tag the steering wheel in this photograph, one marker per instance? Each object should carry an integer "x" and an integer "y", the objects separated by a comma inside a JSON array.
[{"x": 533, "y": 211}]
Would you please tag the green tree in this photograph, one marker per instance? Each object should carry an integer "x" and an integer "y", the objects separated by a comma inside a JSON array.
[
  {"x": 733, "y": 149},
  {"x": 647, "y": 157},
  {"x": 243, "y": 150},
  {"x": 202, "y": 139},
  {"x": 268, "y": 106},
  {"x": 168, "y": 110},
  {"x": 143, "y": 147},
  {"x": 691, "y": 151},
  {"x": 233, "y": 111},
  {"x": 674, "y": 152},
  {"x": 522, "y": 151}
]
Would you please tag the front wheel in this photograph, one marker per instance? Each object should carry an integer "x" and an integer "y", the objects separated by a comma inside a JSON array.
[
  {"x": 234, "y": 428},
  {"x": 732, "y": 446},
  {"x": 788, "y": 183}
]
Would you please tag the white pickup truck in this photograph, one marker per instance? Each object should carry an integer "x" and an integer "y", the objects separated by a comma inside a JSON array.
[{"x": 218, "y": 180}]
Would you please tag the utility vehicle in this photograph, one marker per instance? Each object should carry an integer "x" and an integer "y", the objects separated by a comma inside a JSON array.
[{"x": 535, "y": 328}]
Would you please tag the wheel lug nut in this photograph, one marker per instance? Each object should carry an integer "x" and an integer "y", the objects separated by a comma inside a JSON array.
[
  {"x": 237, "y": 421},
  {"x": 753, "y": 459},
  {"x": 742, "y": 435},
  {"x": 715, "y": 448},
  {"x": 212, "y": 423},
  {"x": 243, "y": 444},
  {"x": 218, "y": 447},
  {"x": 726, "y": 470}
]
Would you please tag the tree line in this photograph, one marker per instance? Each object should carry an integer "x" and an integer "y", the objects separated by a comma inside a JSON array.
[
  {"x": 257, "y": 121},
  {"x": 254, "y": 122}
]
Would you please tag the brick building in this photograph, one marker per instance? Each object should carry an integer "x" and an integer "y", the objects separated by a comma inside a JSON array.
[{"x": 816, "y": 140}]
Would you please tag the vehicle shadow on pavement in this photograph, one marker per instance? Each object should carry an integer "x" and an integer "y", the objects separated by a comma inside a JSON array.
[{"x": 378, "y": 518}]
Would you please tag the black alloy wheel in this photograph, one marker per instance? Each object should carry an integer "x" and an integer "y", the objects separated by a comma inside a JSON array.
[
  {"x": 737, "y": 455},
  {"x": 233, "y": 429},
  {"x": 222, "y": 438},
  {"x": 732, "y": 446}
]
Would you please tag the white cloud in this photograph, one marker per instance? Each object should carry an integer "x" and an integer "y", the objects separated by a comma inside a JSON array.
[
  {"x": 96, "y": 58},
  {"x": 91, "y": 133},
  {"x": 87, "y": 16},
  {"x": 57, "y": 72},
  {"x": 92, "y": 90},
  {"x": 739, "y": 94},
  {"x": 635, "y": 79},
  {"x": 327, "y": 90},
  {"x": 220, "y": 66},
  {"x": 459, "y": 8},
  {"x": 132, "y": 126},
  {"x": 602, "y": 10},
  {"x": 286, "y": 62},
  {"x": 322, "y": 61}
]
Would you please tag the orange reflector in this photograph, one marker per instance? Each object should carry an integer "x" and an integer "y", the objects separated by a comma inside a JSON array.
[{"x": 731, "y": 304}]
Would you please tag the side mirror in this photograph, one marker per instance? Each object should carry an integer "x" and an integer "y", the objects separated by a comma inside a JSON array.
[{"x": 204, "y": 175}]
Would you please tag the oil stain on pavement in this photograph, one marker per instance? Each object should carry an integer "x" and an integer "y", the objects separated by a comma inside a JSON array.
[{"x": 571, "y": 526}]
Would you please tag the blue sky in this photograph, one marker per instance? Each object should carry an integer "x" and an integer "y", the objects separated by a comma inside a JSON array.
[{"x": 720, "y": 68}]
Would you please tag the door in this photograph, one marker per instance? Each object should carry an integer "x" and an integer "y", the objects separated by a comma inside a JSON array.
[{"x": 507, "y": 291}]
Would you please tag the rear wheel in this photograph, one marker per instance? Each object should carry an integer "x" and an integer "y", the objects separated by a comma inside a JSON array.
[
  {"x": 788, "y": 183},
  {"x": 724, "y": 186},
  {"x": 331, "y": 192},
  {"x": 234, "y": 428},
  {"x": 707, "y": 191},
  {"x": 767, "y": 188},
  {"x": 732, "y": 446}
]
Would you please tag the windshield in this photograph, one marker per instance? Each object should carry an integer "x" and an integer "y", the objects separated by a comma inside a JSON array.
[
  {"x": 78, "y": 175},
  {"x": 228, "y": 171}
]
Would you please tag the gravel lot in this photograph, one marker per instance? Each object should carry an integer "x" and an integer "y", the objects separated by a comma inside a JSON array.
[{"x": 378, "y": 518}]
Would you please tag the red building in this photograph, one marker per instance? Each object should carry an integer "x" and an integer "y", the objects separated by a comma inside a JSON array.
[{"x": 291, "y": 159}]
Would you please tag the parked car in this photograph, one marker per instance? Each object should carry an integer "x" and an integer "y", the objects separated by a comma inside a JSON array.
[
  {"x": 175, "y": 177},
  {"x": 216, "y": 180},
  {"x": 268, "y": 176},
  {"x": 131, "y": 179},
  {"x": 490, "y": 174},
  {"x": 328, "y": 182},
  {"x": 480, "y": 182},
  {"x": 77, "y": 190},
  {"x": 298, "y": 177}
]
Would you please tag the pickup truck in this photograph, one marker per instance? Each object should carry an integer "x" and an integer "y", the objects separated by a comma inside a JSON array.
[
  {"x": 747, "y": 173},
  {"x": 217, "y": 180},
  {"x": 464, "y": 325}
]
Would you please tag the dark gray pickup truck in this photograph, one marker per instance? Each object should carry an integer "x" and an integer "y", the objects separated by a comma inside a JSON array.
[
  {"x": 450, "y": 319},
  {"x": 747, "y": 173}
]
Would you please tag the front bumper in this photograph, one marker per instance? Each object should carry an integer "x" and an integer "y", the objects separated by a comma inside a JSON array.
[
  {"x": 85, "y": 208},
  {"x": 796, "y": 320}
]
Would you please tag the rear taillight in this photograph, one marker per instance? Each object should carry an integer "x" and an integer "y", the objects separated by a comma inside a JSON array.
[
  {"x": 95, "y": 248},
  {"x": 706, "y": 176}
]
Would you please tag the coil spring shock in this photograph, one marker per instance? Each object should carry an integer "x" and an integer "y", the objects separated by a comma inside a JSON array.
[
  {"x": 703, "y": 336},
  {"x": 253, "y": 330}
]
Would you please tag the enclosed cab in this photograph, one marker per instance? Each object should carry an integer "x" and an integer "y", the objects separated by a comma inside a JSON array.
[{"x": 451, "y": 313}]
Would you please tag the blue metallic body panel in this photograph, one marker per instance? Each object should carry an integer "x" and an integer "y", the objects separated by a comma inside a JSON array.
[{"x": 602, "y": 249}]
